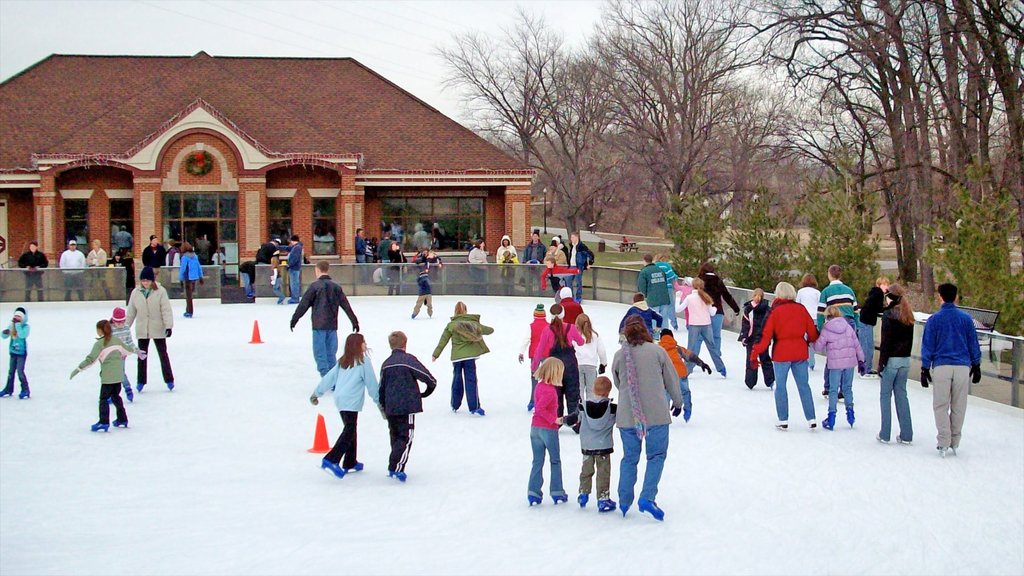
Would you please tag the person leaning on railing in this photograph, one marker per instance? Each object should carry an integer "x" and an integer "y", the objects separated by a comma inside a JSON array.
[{"x": 33, "y": 260}]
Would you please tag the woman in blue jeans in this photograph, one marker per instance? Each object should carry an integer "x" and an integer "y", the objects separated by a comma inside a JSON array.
[
  {"x": 643, "y": 373},
  {"x": 699, "y": 313},
  {"x": 894, "y": 364}
]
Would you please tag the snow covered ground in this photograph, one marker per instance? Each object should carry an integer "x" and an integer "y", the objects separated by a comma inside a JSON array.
[{"x": 214, "y": 478}]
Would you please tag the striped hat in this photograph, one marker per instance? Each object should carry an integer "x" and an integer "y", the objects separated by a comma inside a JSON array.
[{"x": 538, "y": 312}]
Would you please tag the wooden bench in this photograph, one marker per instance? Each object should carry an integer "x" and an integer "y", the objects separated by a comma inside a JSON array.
[
  {"x": 628, "y": 247},
  {"x": 984, "y": 321}
]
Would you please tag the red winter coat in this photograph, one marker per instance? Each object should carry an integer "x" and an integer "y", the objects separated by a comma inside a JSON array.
[
  {"x": 572, "y": 310},
  {"x": 791, "y": 328}
]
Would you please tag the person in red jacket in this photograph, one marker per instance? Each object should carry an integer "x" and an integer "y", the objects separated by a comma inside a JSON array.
[
  {"x": 791, "y": 329},
  {"x": 572, "y": 308},
  {"x": 529, "y": 346}
]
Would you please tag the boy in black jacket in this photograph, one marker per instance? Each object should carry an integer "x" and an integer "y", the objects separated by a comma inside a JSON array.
[{"x": 401, "y": 400}]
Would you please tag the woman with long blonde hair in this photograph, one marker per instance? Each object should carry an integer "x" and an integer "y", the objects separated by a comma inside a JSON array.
[{"x": 698, "y": 327}]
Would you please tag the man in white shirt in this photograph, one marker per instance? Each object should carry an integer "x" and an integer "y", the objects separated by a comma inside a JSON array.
[{"x": 72, "y": 261}]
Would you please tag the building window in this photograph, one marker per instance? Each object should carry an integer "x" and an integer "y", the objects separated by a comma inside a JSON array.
[
  {"x": 188, "y": 216},
  {"x": 324, "y": 229},
  {"x": 279, "y": 218},
  {"x": 122, "y": 222},
  {"x": 439, "y": 223},
  {"x": 76, "y": 222}
]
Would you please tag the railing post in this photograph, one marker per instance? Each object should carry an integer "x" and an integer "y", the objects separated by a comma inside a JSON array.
[{"x": 1015, "y": 369}]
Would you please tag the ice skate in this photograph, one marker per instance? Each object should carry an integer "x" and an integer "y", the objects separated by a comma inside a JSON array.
[{"x": 651, "y": 508}]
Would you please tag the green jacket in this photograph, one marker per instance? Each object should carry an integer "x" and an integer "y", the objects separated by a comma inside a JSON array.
[
  {"x": 111, "y": 359},
  {"x": 467, "y": 336},
  {"x": 652, "y": 284}
]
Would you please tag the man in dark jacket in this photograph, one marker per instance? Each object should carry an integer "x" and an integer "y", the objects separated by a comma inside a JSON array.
[
  {"x": 33, "y": 260},
  {"x": 325, "y": 297},
  {"x": 533, "y": 253},
  {"x": 154, "y": 255},
  {"x": 401, "y": 400},
  {"x": 266, "y": 251},
  {"x": 294, "y": 269}
]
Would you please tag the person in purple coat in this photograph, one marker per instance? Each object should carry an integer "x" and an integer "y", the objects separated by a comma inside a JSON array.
[{"x": 843, "y": 352}]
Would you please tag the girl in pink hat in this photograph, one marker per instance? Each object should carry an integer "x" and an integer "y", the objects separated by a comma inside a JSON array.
[{"x": 123, "y": 332}]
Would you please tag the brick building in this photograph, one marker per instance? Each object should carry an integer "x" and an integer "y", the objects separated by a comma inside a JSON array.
[{"x": 240, "y": 149}]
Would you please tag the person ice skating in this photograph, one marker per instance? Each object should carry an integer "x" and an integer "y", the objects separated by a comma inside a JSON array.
[
  {"x": 894, "y": 364},
  {"x": 808, "y": 295},
  {"x": 643, "y": 374},
  {"x": 294, "y": 269},
  {"x": 560, "y": 275},
  {"x": 324, "y": 297},
  {"x": 190, "y": 272},
  {"x": 150, "y": 305},
  {"x": 755, "y": 313},
  {"x": 466, "y": 334},
  {"x": 672, "y": 282},
  {"x": 590, "y": 356},
  {"x": 33, "y": 260},
  {"x": 529, "y": 345},
  {"x": 650, "y": 317},
  {"x": 682, "y": 359},
  {"x": 111, "y": 354},
  {"x": 950, "y": 348},
  {"x": 18, "y": 331},
  {"x": 836, "y": 294},
  {"x": 653, "y": 284},
  {"x": 720, "y": 298},
  {"x": 557, "y": 341},
  {"x": 869, "y": 313},
  {"x": 123, "y": 333},
  {"x": 425, "y": 296},
  {"x": 700, "y": 311},
  {"x": 351, "y": 379},
  {"x": 401, "y": 399},
  {"x": 838, "y": 340},
  {"x": 572, "y": 308},
  {"x": 544, "y": 434},
  {"x": 790, "y": 329},
  {"x": 276, "y": 280},
  {"x": 596, "y": 419}
]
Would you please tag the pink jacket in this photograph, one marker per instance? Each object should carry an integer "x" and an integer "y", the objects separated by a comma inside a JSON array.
[
  {"x": 698, "y": 313},
  {"x": 547, "y": 342},
  {"x": 545, "y": 406},
  {"x": 838, "y": 340}
]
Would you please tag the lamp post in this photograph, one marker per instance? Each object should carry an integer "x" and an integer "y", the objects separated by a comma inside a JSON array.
[{"x": 545, "y": 210}]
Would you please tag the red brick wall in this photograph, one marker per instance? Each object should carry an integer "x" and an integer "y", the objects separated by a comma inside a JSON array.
[
  {"x": 20, "y": 223},
  {"x": 494, "y": 219},
  {"x": 208, "y": 141},
  {"x": 97, "y": 179},
  {"x": 303, "y": 178}
]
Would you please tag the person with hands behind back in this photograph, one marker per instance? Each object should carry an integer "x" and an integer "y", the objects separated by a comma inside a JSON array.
[{"x": 401, "y": 400}]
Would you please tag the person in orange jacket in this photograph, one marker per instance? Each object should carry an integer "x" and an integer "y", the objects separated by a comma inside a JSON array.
[{"x": 679, "y": 357}]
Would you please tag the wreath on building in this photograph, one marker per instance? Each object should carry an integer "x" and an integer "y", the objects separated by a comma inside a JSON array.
[{"x": 199, "y": 163}]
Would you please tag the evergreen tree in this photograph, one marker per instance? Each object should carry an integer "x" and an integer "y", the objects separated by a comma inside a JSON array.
[
  {"x": 694, "y": 224},
  {"x": 760, "y": 251},
  {"x": 839, "y": 233}
]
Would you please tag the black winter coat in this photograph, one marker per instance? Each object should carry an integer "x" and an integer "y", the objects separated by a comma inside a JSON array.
[
  {"x": 754, "y": 318},
  {"x": 30, "y": 260},
  {"x": 872, "y": 306},
  {"x": 897, "y": 339},
  {"x": 325, "y": 297},
  {"x": 399, "y": 392},
  {"x": 266, "y": 252},
  {"x": 154, "y": 258},
  {"x": 715, "y": 288}
]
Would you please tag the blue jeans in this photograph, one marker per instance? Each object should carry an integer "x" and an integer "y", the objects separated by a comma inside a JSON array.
[
  {"x": 672, "y": 308},
  {"x": 696, "y": 336},
  {"x": 799, "y": 370},
  {"x": 866, "y": 336},
  {"x": 541, "y": 440},
  {"x": 277, "y": 290},
  {"x": 325, "y": 350},
  {"x": 668, "y": 316},
  {"x": 716, "y": 329},
  {"x": 579, "y": 286},
  {"x": 657, "y": 449},
  {"x": 684, "y": 388},
  {"x": 894, "y": 384},
  {"x": 295, "y": 283},
  {"x": 840, "y": 379},
  {"x": 17, "y": 367},
  {"x": 247, "y": 284},
  {"x": 360, "y": 258},
  {"x": 464, "y": 380},
  {"x": 810, "y": 356}
]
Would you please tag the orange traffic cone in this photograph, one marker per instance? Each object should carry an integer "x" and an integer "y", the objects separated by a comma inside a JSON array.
[
  {"x": 255, "y": 333},
  {"x": 320, "y": 444}
]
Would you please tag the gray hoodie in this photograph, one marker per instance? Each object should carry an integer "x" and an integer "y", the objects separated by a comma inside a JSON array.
[{"x": 656, "y": 375}]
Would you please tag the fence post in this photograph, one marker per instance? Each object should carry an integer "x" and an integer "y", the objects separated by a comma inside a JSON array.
[{"x": 1015, "y": 369}]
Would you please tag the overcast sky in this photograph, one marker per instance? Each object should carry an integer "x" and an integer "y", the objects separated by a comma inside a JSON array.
[{"x": 397, "y": 39}]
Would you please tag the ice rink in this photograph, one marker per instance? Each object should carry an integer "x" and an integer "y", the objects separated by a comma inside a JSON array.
[{"x": 214, "y": 477}]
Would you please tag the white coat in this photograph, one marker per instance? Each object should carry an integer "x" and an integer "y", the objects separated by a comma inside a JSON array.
[{"x": 153, "y": 313}]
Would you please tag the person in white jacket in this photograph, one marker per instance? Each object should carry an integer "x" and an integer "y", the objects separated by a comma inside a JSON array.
[
  {"x": 808, "y": 295},
  {"x": 590, "y": 356},
  {"x": 150, "y": 305},
  {"x": 72, "y": 261}
]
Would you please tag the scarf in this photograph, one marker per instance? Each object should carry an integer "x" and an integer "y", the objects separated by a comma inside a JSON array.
[{"x": 633, "y": 389}]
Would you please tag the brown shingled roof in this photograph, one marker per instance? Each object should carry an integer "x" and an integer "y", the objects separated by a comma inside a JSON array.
[{"x": 108, "y": 104}]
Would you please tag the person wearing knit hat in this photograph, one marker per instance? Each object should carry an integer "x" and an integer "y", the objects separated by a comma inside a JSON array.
[
  {"x": 17, "y": 331},
  {"x": 123, "y": 332},
  {"x": 529, "y": 345},
  {"x": 572, "y": 308},
  {"x": 149, "y": 310},
  {"x": 557, "y": 341}
]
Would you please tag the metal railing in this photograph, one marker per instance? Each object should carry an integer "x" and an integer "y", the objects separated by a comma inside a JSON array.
[{"x": 92, "y": 284}]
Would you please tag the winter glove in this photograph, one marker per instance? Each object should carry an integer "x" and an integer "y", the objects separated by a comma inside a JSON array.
[
  {"x": 704, "y": 366},
  {"x": 860, "y": 367},
  {"x": 142, "y": 355},
  {"x": 7, "y": 332},
  {"x": 355, "y": 326},
  {"x": 754, "y": 361},
  {"x": 291, "y": 326},
  {"x": 314, "y": 400},
  {"x": 676, "y": 411},
  {"x": 74, "y": 373},
  {"x": 926, "y": 377},
  {"x": 167, "y": 334},
  {"x": 975, "y": 373},
  {"x": 601, "y": 369},
  {"x": 520, "y": 358}
]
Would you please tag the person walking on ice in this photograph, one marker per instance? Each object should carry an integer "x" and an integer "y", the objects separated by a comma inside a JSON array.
[
  {"x": 150, "y": 305},
  {"x": 324, "y": 297},
  {"x": 401, "y": 399},
  {"x": 838, "y": 340},
  {"x": 544, "y": 434},
  {"x": 466, "y": 334},
  {"x": 597, "y": 424}
]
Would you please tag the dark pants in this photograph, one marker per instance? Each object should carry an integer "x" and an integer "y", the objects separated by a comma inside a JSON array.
[
  {"x": 401, "y": 428},
  {"x": 190, "y": 287},
  {"x": 165, "y": 361},
  {"x": 766, "y": 368},
  {"x": 73, "y": 282},
  {"x": 568, "y": 397},
  {"x": 33, "y": 280},
  {"x": 346, "y": 443},
  {"x": 111, "y": 392},
  {"x": 464, "y": 381},
  {"x": 17, "y": 367}
]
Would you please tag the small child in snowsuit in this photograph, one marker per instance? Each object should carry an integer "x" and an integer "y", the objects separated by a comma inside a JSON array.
[
  {"x": 755, "y": 314},
  {"x": 529, "y": 346},
  {"x": 110, "y": 353},
  {"x": 544, "y": 433},
  {"x": 401, "y": 399},
  {"x": 275, "y": 277},
  {"x": 423, "y": 285},
  {"x": 843, "y": 352},
  {"x": 597, "y": 421},
  {"x": 123, "y": 332},
  {"x": 17, "y": 331},
  {"x": 680, "y": 358}
]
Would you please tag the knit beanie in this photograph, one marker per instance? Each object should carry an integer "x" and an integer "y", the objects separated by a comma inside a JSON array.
[
  {"x": 119, "y": 315},
  {"x": 538, "y": 312},
  {"x": 19, "y": 313},
  {"x": 147, "y": 274}
]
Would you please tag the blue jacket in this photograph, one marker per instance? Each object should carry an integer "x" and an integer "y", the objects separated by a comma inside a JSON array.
[
  {"x": 399, "y": 384},
  {"x": 949, "y": 339},
  {"x": 423, "y": 283},
  {"x": 190, "y": 267},
  {"x": 18, "y": 346},
  {"x": 650, "y": 317},
  {"x": 360, "y": 246},
  {"x": 349, "y": 384},
  {"x": 295, "y": 257}
]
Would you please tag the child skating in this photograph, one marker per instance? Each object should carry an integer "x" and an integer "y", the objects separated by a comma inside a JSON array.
[
  {"x": 17, "y": 331},
  {"x": 110, "y": 353},
  {"x": 275, "y": 278},
  {"x": 529, "y": 346},
  {"x": 843, "y": 353},
  {"x": 401, "y": 399},
  {"x": 123, "y": 332},
  {"x": 544, "y": 433},
  {"x": 425, "y": 297},
  {"x": 681, "y": 359},
  {"x": 597, "y": 421}
]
